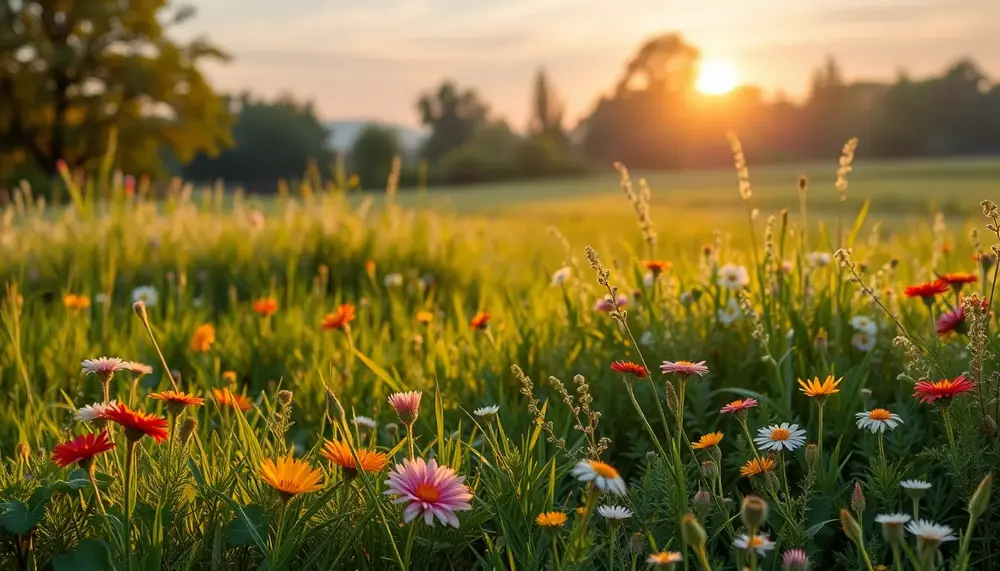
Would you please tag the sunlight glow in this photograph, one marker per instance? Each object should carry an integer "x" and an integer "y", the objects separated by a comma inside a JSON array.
[{"x": 715, "y": 77}]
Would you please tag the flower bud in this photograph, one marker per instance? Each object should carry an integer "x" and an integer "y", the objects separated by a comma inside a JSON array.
[
  {"x": 852, "y": 529},
  {"x": 709, "y": 470},
  {"x": 334, "y": 411},
  {"x": 139, "y": 307},
  {"x": 893, "y": 532},
  {"x": 672, "y": 402},
  {"x": 285, "y": 397},
  {"x": 702, "y": 503},
  {"x": 858, "y": 500},
  {"x": 866, "y": 393},
  {"x": 692, "y": 532},
  {"x": 23, "y": 450},
  {"x": 812, "y": 455},
  {"x": 794, "y": 560},
  {"x": 989, "y": 425},
  {"x": 981, "y": 497},
  {"x": 188, "y": 427},
  {"x": 754, "y": 512}
]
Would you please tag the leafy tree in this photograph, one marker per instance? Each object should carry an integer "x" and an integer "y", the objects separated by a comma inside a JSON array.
[
  {"x": 453, "y": 115},
  {"x": 547, "y": 113},
  {"x": 72, "y": 70},
  {"x": 274, "y": 140},
  {"x": 373, "y": 153}
]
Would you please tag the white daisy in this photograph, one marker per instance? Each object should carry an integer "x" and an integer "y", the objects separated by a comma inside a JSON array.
[
  {"x": 864, "y": 324},
  {"x": 919, "y": 485},
  {"x": 138, "y": 368},
  {"x": 733, "y": 277},
  {"x": 878, "y": 420},
  {"x": 393, "y": 280},
  {"x": 365, "y": 422},
  {"x": 818, "y": 259},
  {"x": 893, "y": 519},
  {"x": 604, "y": 476},
  {"x": 759, "y": 542},
  {"x": 103, "y": 366},
  {"x": 780, "y": 437},
  {"x": 146, "y": 294},
  {"x": 562, "y": 275},
  {"x": 863, "y": 341},
  {"x": 488, "y": 411},
  {"x": 614, "y": 512},
  {"x": 930, "y": 531},
  {"x": 649, "y": 279},
  {"x": 96, "y": 411},
  {"x": 646, "y": 338},
  {"x": 730, "y": 313}
]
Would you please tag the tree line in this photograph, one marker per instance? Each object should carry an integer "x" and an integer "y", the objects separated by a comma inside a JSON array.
[{"x": 72, "y": 74}]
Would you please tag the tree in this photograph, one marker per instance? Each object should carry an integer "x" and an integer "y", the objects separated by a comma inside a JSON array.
[
  {"x": 274, "y": 140},
  {"x": 373, "y": 153},
  {"x": 453, "y": 115},
  {"x": 71, "y": 71},
  {"x": 547, "y": 112}
]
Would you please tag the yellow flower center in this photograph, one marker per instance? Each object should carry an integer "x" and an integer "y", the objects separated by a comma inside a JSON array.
[
  {"x": 879, "y": 414},
  {"x": 427, "y": 492},
  {"x": 604, "y": 470},
  {"x": 780, "y": 434},
  {"x": 755, "y": 541}
]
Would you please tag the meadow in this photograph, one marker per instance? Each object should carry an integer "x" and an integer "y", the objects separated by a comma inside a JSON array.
[{"x": 719, "y": 370}]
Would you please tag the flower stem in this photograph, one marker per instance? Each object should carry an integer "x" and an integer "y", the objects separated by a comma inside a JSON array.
[
  {"x": 916, "y": 507},
  {"x": 129, "y": 501},
  {"x": 947, "y": 427},
  {"x": 751, "y": 548},
  {"x": 881, "y": 449},
  {"x": 409, "y": 542},
  {"x": 642, "y": 417},
  {"x": 819, "y": 437},
  {"x": 784, "y": 478},
  {"x": 409, "y": 439},
  {"x": 276, "y": 548}
]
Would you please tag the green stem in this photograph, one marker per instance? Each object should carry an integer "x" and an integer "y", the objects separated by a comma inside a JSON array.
[
  {"x": 276, "y": 548},
  {"x": 746, "y": 433},
  {"x": 916, "y": 507},
  {"x": 819, "y": 438},
  {"x": 702, "y": 559},
  {"x": 751, "y": 548},
  {"x": 409, "y": 542},
  {"x": 555, "y": 550},
  {"x": 784, "y": 478},
  {"x": 911, "y": 557},
  {"x": 163, "y": 360},
  {"x": 642, "y": 417},
  {"x": 963, "y": 549},
  {"x": 409, "y": 439},
  {"x": 881, "y": 449},
  {"x": 895, "y": 558},
  {"x": 129, "y": 501},
  {"x": 864, "y": 555},
  {"x": 611, "y": 547},
  {"x": 948, "y": 429}
]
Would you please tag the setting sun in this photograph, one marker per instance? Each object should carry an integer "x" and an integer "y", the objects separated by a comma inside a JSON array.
[{"x": 715, "y": 77}]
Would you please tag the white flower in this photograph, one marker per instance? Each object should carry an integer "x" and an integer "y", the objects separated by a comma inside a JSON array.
[
  {"x": 649, "y": 279},
  {"x": 759, "y": 542},
  {"x": 733, "y": 277},
  {"x": 864, "y": 324},
  {"x": 777, "y": 437},
  {"x": 818, "y": 259},
  {"x": 730, "y": 313},
  {"x": 686, "y": 298},
  {"x": 101, "y": 298},
  {"x": 930, "y": 531},
  {"x": 915, "y": 485},
  {"x": 878, "y": 420},
  {"x": 103, "y": 366},
  {"x": 146, "y": 294},
  {"x": 393, "y": 280},
  {"x": 604, "y": 477},
  {"x": 863, "y": 341},
  {"x": 138, "y": 368},
  {"x": 365, "y": 422},
  {"x": 198, "y": 301},
  {"x": 893, "y": 519},
  {"x": 562, "y": 275},
  {"x": 614, "y": 512},
  {"x": 491, "y": 410},
  {"x": 646, "y": 338},
  {"x": 96, "y": 411}
]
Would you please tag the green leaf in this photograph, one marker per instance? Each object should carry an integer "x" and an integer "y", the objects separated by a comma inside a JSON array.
[
  {"x": 379, "y": 372},
  {"x": 239, "y": 532},
  {"x": 248, "y": 523},
  {"x": 90, "y": 555},
  {"x": 19, "y": 518}
]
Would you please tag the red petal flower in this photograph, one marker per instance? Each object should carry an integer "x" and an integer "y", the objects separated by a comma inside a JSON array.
[
  {"x": 927, "y": 290},
  {"x": 138, "y": 424},
  {"x": 629, "y": 368},
  {"x": 81, "y": 449},
  {"x": 930, "y": 391},
  {"x": 339, "y": 319},
  {"x": 958, "y": 278},
  {"x": 480, "y": 321}
]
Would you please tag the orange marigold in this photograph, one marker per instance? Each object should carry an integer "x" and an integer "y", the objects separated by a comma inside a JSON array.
[
  {"x": 228, "y": 399},
  {"x": 340, "y": 454},
  {"x": 339, "y": 319},
  {"x": 204, "y": 337},
  {"x": 265, "y": 306}
]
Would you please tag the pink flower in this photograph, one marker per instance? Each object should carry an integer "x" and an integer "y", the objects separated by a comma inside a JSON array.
[
  {"x": 604, "y": 304},
  {"x": 736, "y": 406},
  {"x": 429, "y": 489},
  {"x": 406, "y": 405},
  {"x": 684, "y": 368},
  {"x": 104, "y": 367},
  {"x": 952, "y": 321}
]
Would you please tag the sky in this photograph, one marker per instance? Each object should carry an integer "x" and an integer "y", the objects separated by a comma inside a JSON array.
[{"x": 371, "y": 59}]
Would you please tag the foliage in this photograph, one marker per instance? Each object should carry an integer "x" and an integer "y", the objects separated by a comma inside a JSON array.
[
  {"x": 452, "y": 115},
  {"x": 373, "y": 153}
]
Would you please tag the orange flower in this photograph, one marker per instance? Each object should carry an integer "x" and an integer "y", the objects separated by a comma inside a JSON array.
[
  {"x": 176, "y": 401},
  {"x": 657, "y": 267},
  {"x": 707, "y": 441},
  {"x": 290, "y": 476},
  {"x": 629, "y": 368},
  {"x": 204, "y": 337},
  {"x": 370, "y": 266},
  {"x": 138, "y": 424},
  {"x": 72, "y": 301},
  {"x": 927, "y": 291},
  {"x": 81, "y": 450},
  {"x": 226, "y": 398},
  {"x": 480, "y": 321},
  {"x": 551, "y": 519},
  {"x": 957, "y": 279},
  {"x": 340, "y": 454},
  {"x": 757, "y": 466},
  {"x": 265, "y": 306},
  {"x": 339, "y": 319},
  {"x": 424, "y": 317},
  {"x": 820, "y": 389},
  {"x": 229, "y": 376}
]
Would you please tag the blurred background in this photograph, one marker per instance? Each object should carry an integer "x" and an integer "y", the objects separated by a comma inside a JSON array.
[{"x": 468, "y": 92}]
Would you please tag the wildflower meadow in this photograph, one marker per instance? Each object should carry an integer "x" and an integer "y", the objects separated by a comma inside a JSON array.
[{"x": 196, "y": 378}]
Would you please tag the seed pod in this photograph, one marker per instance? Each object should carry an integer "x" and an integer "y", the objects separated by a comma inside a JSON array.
[
  {"x": 692, "y": 532},
  {"x": 981, "y": 497},
  {"x": 754, "y": 512},
  {"x": 702, "y": 503},
  {"x": 709, "y": 469},
  {"x": 858, "y": 500},
  {"x": 285, "y": 397},
  {"x": 188, "y": 427}
]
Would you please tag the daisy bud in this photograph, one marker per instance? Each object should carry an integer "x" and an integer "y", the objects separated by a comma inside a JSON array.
[
  {"x": 981, "y": 497},
  {"x": 794, "y": 560},
  {"x": 285, "y": 397},
  {"x": 989, "y": 425},
  {"x": 702, "y": 503},
  {"x": 866, "y": 393},
  {"x": 858, "y": 500},
  {"x": 188, "y": 427},
  {"x": 406, "y": 405},
  {"x": 334, "y": 411},
  {"x": 672, "y": 403},
  {"x": 709, "y": 470},
  {"x": 812, "y": 455},
  {"x": 23, "y": 450},
  {"x": 139, "y": 307},
  {"x": 852, "y": 529},
  {"x": 754, "y": 512},
  {"x": 892, "y": 530},
  {"x": 692, "y": 532}
]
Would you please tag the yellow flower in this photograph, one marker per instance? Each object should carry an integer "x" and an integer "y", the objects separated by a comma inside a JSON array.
[
  {"x": 707, "y": 441},
  {"x": 757, "y": 466},
  {"x": 815, "y": 388},
  {"x": 72, "y": 301},
  {"x": 203, "y": 338},
  {"x": 551, "y": 519},
  {"x": 425, "y": 317},
  {"x": 290, "y": 476}
]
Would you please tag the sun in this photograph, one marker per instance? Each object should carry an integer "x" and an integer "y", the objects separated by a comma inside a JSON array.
[{"x": 715, "y": 77}]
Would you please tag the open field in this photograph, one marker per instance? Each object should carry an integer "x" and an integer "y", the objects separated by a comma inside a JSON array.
[{"x": 343, "y": 301}]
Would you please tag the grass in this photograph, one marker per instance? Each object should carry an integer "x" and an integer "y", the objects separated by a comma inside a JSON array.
[{"x": 199, "y": 501}]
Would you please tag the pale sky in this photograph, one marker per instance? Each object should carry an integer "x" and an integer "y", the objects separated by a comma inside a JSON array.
[{"x": 370, "y": 59}]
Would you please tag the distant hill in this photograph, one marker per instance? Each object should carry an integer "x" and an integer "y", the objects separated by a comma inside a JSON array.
[{"x": 344, "y": 132}]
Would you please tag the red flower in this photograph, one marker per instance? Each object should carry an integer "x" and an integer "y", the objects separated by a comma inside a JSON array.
[
  {"x": 657, "y": 267},
  {"x": 958, "y": 278},
  {"x": 930, "y": 391},
  {"x": 81, "y": 449},
  {"x": 138, "y": 424},
  {"x": 339, "y": 319},
  {"x": 265, "y": 306},
  {"x": 952, "y": 321},
  {"x": 480, "y": 321},
  {"x": 629, "y": 368},
  {"x": 927, "y": 291}
]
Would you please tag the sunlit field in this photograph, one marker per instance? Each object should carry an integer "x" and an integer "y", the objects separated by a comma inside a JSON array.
[{"x": 730, "y": 370}]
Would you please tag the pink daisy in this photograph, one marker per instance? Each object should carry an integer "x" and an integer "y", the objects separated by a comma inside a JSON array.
[
  {"x": 739, "y": 406},
  {"x": 435, "y": 491},
  {"x": 104, "y": 367},
  {"x": 604, "y": 304},
  {"x": 406, "y": 405},
  {"x": 138, "y": 368},
  {"x": 684, "y": 368},
  {"x": 952, "y": 321}
]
